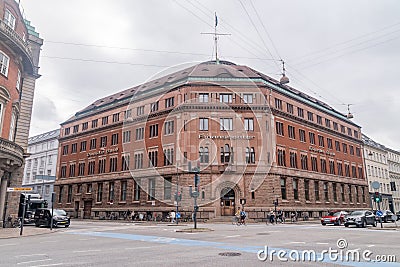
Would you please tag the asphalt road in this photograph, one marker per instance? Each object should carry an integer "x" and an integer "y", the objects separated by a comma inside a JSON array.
[{"x": 108, "y": 243}]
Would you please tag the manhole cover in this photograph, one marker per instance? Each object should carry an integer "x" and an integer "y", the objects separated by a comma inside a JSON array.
[
  {"x": 262, "y": 233},
  {"x": 230, "y": 254}
]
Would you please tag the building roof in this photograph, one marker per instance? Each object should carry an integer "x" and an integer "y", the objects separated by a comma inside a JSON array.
[
  {"x": 44, "y": 136},
  {"x": 223, "y": 71},
  {"x": 369, "y": 142}
]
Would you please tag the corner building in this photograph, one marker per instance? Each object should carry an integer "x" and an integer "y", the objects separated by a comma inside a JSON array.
[
  {"x": 252, "y": 139},
  {"x": 19, "y": 57}
]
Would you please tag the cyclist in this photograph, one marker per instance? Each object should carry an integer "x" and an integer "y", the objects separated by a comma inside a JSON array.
[{"x": 242, "y": 217}]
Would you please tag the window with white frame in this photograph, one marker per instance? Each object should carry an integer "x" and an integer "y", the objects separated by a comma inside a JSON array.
[
  {"x": 249, "y": 124},
  {"x": 226, "y": 124},
  {"x": 9, "y": 19},
  {"x": 18, "y": 85},
  {"x": 225, "y": 98},
  {"x": 4, "y": 62},
  {"x": 203, "y": 97},
  {"x": 248, "y": 98},
  {"x": 12, "y": 126},
  {"x": 203, "y": 124}
]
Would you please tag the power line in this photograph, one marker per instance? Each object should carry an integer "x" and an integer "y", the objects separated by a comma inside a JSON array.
[{"x": 105, "y": 61}]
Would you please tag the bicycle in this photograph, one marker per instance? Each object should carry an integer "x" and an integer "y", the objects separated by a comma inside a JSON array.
[
  {"x": 16, "y": 223},
  {"x": 237, "y": 221}
]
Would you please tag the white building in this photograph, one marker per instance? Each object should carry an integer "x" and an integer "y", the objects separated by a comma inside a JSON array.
[
  {"x": 41, "y": 165},
  {"x": 394, "y": 176},
  {"x": 377, "y": 169}
]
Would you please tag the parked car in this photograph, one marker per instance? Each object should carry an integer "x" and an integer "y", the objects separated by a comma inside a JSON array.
[
  {"x": 43, "y": 217},
  {"x": 334, "y": 217},
  {"x": 386, "y": 217},
  {"x": 360, "y": 218},
  {"x": 398, "y": 215}
]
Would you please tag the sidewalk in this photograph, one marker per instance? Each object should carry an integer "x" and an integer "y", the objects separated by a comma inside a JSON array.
[{"x": 27, "y": 231}]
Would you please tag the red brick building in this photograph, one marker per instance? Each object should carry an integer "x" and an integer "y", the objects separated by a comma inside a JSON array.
[
  {"x": 253, "y": 140},
  {"x": 19, "y": 56}
]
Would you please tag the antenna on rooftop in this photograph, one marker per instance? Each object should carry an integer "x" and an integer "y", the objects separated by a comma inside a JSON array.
[
  {"x": 284, "y": 79},
  {"x": 216, "y": 37},
  {"x": 349, "y": 114}
]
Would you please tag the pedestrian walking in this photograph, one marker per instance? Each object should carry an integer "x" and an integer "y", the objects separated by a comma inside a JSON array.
[
  {"x": 172, "y": 216},
  {"x": 272, "y": 217}
]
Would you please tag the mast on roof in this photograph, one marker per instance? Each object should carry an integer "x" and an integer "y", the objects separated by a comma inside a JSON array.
[{"x": 216, "y": 34}]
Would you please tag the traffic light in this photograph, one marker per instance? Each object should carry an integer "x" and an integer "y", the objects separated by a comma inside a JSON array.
[{"x": 377, "y": 197}]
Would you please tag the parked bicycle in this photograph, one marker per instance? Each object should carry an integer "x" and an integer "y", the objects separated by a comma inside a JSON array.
[{"x": 13, "y": 223}]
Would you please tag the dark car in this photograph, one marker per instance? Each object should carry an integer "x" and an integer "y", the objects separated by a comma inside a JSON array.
[
  {"x": 386, "y": 216},
  {"x": 398, "y": 215},
  {"x": 334, "y": 217},
  {"x": 360, "y": 218},
  {"x": 43, "y": 217}
]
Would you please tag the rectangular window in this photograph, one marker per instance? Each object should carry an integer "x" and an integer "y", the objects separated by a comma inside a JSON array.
[
  {"x": 307, "y": 190},
  {"x": 114, "y": 139},
  {"x": 314, "y": 164},
  {"x": 342, "y": 129},
  {"x": 226, "y": 154},
  {"x": 249, "y": 124},
  {"x": 283, "y": 188},
  {"x": 331, "y": 167},
  {"x": 310, "y": 116},
  {"x": 9, "y": 19},
  {"x": 296, "y": 189},
  {"x": 104, "y": 120},
  {"x": 99, "y": 196},
  {"x": 335, "y": 126},
  {"x": 337, "y": 146},
  {"x": 127, "y": 114},
  {"x": 169, "y": 102},
  {"x": 18, "y": 83},
  {"x": 300, "y": 112},
  {"x": 226, "y": 124},
  {"x": 321, "y": 141},
  {"x": 289, "y": 108},
  {"x": 316, "y": 190},
  {"x": 304, "y": 162},
  {"x": 102, "y": 166},
  {"x": 358, "y": 152},
  {"x": 278, "y": 103},
  {"x": 350, "y": 194},
  {"x": 140, "y": 133},
  {"x": 124, "y": 185},
  {"x": 340, "y": 168},
  {"x": 334, "y": 189},
  {"x": 75, "y": 129},
  {"x": 168, "y": 127},
  {"x": 69, "y": 195},
  {"x": 302, "y": 135},
  {"x": 323, "y": 165},
  {"x": 312, "y": 138},
  {"x": 63, "y": 172},
  {"x": 203, "y": 124},
  {"x": 353, "y": 171},
  {"x": 153, "y": 158},
  {"x": 347, "y": 169},
  {"x": 136, "y": 191},
  {"x": 153, "y": 130},
  {"x": 4, "y": 63},
  {"x": 344, "y": 148},
  {"x": 204, "y": 154},
  {"x": 138, "y": 160},
  {"x": 328, "y": 123},
  {"x": 67, "y": 131},
  {"x": 81, "y": 169},
  {"x": 281, "y": 157},
  {"x": 111, "y": 192},
  {"x": 113, "y": 164},
  {"x": 293, "y": 159},
  {"x": 319, "y": 119},
  {"x": 152, "y": 189},
  {"x": 126, "y": 137},
  {"x": 342, "y": 192},
  {"x": 72, "y": 170},
  {"x": 65, "y": 150},
  {"x": 154, "y": 107},
  {"x": 103, "y": 141},
  {"x": 351, "y": 149},
  {"x": 140, "y": 110},
  {"x": 167, "y": 188},
  {"x": 125, "y": 162},
  {"x": 279, "y": 128},
  {"x": 355, "y": 134},
  {"x": 203, "y": 98},
  {"x": 94, "y": 123},
  {"x": 291, "y": 132},
  {"x": 225, "y": 98},
  {"x": 250, "y": 155},
  {"x": 168, "y": 156},
  {"x": 74, "y": 148},
  {"x": 329, "y": 143},
  {"x": 349, "y": 132},
  {"x": 85, "y": 126},
  {"x": 93, "y": 143},
  {"x": 360, "y": 173},
  {"x": 248, "y": 98},
  {"x": 326, "y": 192},
  {"x": 115, "y": 117},
  {"x": 91, "y": 167}
]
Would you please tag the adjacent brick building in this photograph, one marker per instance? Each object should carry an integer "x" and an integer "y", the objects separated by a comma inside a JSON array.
[
  {"x": 19, "y": 57},
  {"x": 252, "y": 139}
]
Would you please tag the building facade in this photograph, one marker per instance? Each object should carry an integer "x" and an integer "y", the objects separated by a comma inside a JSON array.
[
  {"x": 41, "y": 165},
  {"x": 394, "y": 177},
  {"x": 19, "y": 57},
  {"x": 377, "y": 166},
  {"x": 254, "y": 142}
]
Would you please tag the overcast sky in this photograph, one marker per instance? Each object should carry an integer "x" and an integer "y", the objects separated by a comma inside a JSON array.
[{"x": 341, "y": 52}]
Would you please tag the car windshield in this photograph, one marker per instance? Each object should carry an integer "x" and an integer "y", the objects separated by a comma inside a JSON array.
[
  {"x": 336, "y": 214},
  {"x": 60, "y": 213},
  {"x": 357, "y": 212}
]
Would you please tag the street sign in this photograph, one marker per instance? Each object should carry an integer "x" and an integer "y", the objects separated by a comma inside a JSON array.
[
  {"x": 379, "y": 213},
  {"x": 195, "y": 194},
  {"x": 19, "y": 189},
  {"x": 375, "y": 185}
]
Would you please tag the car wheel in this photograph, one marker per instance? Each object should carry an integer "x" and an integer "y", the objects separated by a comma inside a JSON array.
[
  {"x": 37, "y": 225},
  {"x": 363, "y": 224},
  {"x": 67, "y": 225},
  {"x": 324, "y": 224},
  {"x": 346, "y": 225},
  {"x": 339, "y": 222}
]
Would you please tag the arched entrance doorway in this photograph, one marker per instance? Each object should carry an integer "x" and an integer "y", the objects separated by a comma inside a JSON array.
[{"x": 227, "y": 202}]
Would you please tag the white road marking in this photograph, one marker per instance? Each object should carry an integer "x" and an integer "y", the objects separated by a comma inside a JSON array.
[
  {"x": 83, "y": 251},
  {"x": 319, "y": 243},
  {"x": 24, "y": 262},
  {"x": 228, "y": 236},
  {"x": 7, "y": 245},
  {"x": 369, "y": 246},
  {"x": 53, "y": 264},
  {"x": 139, "y": 248},
  {"x": 85, "y": 239},
  {"x": 30, "y": 255},
  {"x": 48, "y": 242},
  {"x": 296, "y": 242}
]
